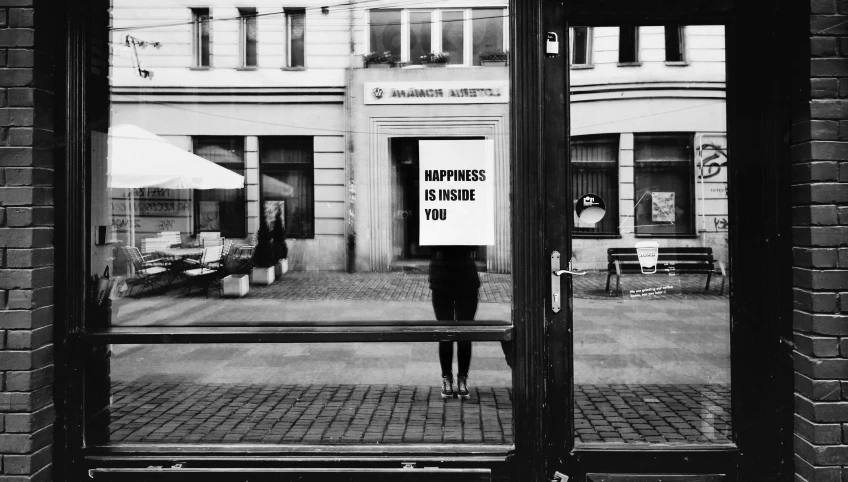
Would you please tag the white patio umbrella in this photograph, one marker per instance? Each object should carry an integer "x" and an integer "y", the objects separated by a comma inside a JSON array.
[{"x": 139, "y": 158}]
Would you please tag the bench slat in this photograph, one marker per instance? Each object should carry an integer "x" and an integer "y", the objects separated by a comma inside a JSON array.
[
  {"x": 682, "y": 249},
  {"x": 626, "y": 258}
]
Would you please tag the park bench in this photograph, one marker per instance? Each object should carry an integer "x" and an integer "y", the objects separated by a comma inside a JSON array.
[{"x": 677, "y": 260}]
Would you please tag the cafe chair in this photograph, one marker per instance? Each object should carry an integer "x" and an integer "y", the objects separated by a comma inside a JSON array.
[
  {"x": 148, "y": 270},
  {"x": 207, "y": 272}
]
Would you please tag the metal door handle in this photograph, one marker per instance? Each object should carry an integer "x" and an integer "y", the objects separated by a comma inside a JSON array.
[{"x": 565, "y": 271}]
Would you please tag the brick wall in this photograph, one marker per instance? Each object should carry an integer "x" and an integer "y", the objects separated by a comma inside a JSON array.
[
  {"x": 26, "y": 239},
  {"x": 820, "y": 249}
]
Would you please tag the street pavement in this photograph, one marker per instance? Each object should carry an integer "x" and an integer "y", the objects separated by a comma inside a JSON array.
[{"x": 673, "y": 348}]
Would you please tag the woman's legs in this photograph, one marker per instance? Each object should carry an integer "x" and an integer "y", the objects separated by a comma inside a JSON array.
[
  {"x": 446, "y": 358},
  {"x": 443, "y": 307},
  {"x": 463, "y": 357},
  {"x": 466, "y": 308}
]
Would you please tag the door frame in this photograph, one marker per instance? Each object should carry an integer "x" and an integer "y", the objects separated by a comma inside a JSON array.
[{"x": 758, "y": 119}]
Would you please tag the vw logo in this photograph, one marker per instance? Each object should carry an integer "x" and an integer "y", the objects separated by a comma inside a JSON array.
[{"x": 378, "y": 93}]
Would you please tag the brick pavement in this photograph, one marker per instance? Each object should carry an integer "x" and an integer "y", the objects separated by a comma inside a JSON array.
[
  {"x": 669, "y": 414},
  {"x": 181, "y": 412}
]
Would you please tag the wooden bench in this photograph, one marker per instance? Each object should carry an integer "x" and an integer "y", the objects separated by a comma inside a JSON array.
[{"x": 674, "y": 259}]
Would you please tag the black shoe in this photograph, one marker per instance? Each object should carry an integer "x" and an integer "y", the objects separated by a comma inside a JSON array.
[
  {"x": 447, "y": 387},
  {"x": 462, "y": 388}
]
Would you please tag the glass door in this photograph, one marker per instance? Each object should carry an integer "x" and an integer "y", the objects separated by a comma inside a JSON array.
[{"x": 647, "y": 269}]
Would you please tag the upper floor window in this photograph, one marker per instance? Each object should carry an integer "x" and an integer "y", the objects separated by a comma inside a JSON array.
[
  {"x": 295, "y": 35},
  {"x": 463, "y": 34},
  {"x": 628, "y": 45},
  {"x": 201, "y": 37},
  {"x": 675, "y": 50},
  {"x": 581, "y": 46},
  {"x": 247, "y": 37}
]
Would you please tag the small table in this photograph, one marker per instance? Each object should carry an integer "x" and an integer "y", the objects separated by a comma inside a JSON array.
[{"x": 181, "y": 252}]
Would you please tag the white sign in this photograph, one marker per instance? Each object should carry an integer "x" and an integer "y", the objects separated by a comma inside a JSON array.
[
  {"x": 480, "y": 92},
  {"x": 457, "y": 192}
]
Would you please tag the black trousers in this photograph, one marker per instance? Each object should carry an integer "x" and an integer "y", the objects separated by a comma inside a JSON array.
[{"x": 452, "y": 306}]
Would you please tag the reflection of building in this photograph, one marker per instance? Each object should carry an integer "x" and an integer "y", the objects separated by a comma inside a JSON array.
[
  {"x": 260, "y": 91},
  {"x": 648, "y": 136}
]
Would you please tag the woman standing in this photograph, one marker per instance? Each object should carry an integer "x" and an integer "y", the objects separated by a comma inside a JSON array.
[{"x": 454, "y": 283}]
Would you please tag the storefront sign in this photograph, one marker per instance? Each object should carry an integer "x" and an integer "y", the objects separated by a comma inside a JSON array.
[
  {"x": 457, "y": 204},
  {"x": 392, "y": 93}
]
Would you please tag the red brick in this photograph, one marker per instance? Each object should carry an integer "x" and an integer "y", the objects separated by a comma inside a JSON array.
[
  {"x": 820, "y": 235},
  {"x": 30, "y": 359},
  {"x": 819, "y": 150},
  {"x": 17, "y": 77},
  {"x": 33, "y": 258},
  {"x": 817, "y": 346},
  {"x": 842, "y": 215},
  {"x": 843, "y": 88},
  {"x": 20, "y": 300},
  {"x": 38, "y": 216},
  {"x": 26, "y": 278},
  {"x": 17, "y": 37},
  {"x": 822, "y": 6},
  {"x": 812, "y": 257},
  {"x": 821, "y": 412},
  {"x": 815, "y": 171},
  {"x": 827, "y": 25},
  {"x": 26, "y": 176},
  {"x": 22, "y": 381},
  {"x": 22, "y": 17},
  {"x": 33, "y": 339},
  {"x": 831, "y": 369},
  {"x": 4, "y": 18},
  {"x": 804, "y": 472},
  {"x": 26, "y": 237},
  {"x": 824, "y": 88},
  {"x": 26, "y": 196},
  {"x": 815, "y": 301},
  {"x": 31, "y": 422},
  {"x": 28, "y": 464},
  {"x": 21, "y": 58},
  {"x": 801, "y": 216},
  {"x": 817, "y": 433},
  {"x": 819, "y": 193},
  {"x": 25, "y": 443},
  {"x": 25, "y": 157},
  {"x": 815, "y": 279},
  {"x": 843, "y": 130},
  {"x": 820, "y": 323},
  {"x": 843, "y": 303},
  {"x": 829, "y": 109},
  {"x": 816, "y": 130},
  {"x": 17, "y": 116},
  {"x": 26, "y": 319},
  {"x": 842, "y": 6}
]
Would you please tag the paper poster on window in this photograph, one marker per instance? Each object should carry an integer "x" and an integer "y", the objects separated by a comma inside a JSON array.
[
  {"x": 271, "y": 208},
  {"x": 457, "y": 204},
  {"x": 662, "y": 207},
  {"x": 208, "y": 217}
]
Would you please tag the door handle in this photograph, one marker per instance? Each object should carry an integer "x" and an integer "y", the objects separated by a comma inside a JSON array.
[{"x": 565, "y": 271}]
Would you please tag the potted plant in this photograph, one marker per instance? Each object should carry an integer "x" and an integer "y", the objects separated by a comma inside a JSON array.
[
  {"x": 263, "y": 257},
  {"x": 281, "y": 249},
  {"x": 496, "y": 58},
  {"x": 436, "y": 59},
  {"x": 379, "y": 61}
]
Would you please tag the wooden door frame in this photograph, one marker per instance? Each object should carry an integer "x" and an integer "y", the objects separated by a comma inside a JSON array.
[{"x": 758, "y": 120}]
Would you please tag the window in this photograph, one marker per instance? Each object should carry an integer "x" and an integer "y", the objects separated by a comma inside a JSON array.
[
  {"x": 581, "y": 46},
  {"x": 464, "y": 34},
  {"x": 663, "y": 184},
  {"x": 287, "y": 181},
  {"x": 247, "y": 37},
  {"x": 295, "y": 34},
  {"x": 453, "y": 33},
  {"x": 201, "y": 37},
  {"x": 675, "y": 43},
  {"x": 628, "y": 45},
  {"x": 221, "y": 209},
  {"x": 594, "y": 170},
  {"x": 488, "y": 31},
  {"x": 420, "y": 35},
  {"x": 385, "y": 32}
]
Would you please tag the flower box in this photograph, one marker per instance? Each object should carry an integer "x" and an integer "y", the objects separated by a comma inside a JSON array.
[
  {"x": 378, "y": 66},
  {"x": 282, "y": 267},
  {"x": 236, "y": 285},
  {"x": 433, "y": 65},
  {"x": 262, "y": 276},
  {"x": 493, "y": 63}
]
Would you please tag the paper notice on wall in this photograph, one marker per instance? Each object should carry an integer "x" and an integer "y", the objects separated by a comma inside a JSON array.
[
  {"x": 457, "y": 203},
  {"x": 662, "y": 207}
]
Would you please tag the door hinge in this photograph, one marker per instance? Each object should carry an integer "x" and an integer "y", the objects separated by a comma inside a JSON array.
[{"x": 559, "y": 477}]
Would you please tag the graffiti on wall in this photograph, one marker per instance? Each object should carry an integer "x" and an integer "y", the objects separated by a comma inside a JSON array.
[{"x": 713, "y": 164}]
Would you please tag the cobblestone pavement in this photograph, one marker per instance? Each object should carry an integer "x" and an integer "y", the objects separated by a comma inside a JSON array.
[
  {"x": 306, "y": 414},
  {"x": 670, "y": 414},
  {"x": 495, "y": 288},
  {"x": 178, "y": 412}
]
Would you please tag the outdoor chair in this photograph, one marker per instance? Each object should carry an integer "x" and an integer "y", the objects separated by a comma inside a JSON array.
[
  {"x": 147, "y": 269},
  {"x": 207, "y": 273},
  {"x": 243, "y": 254},
  {"x": 172, "y": 238}
]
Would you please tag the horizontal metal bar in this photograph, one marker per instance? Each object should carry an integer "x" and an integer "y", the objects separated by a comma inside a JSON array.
[
  {"x": 455, "y": 449},
  {"x": 167, "y": 335}
]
